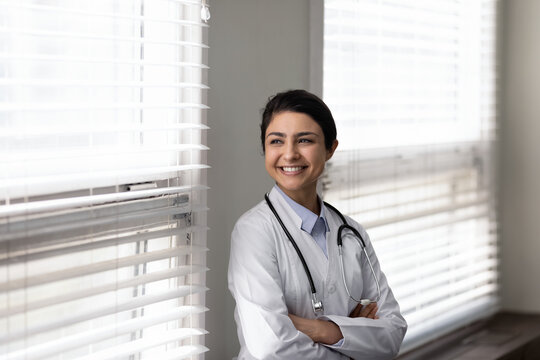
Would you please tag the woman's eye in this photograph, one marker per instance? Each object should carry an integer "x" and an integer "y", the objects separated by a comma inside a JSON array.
[
  {"x": 275, "y": 141},
  {"x": 305, "y": 141}
]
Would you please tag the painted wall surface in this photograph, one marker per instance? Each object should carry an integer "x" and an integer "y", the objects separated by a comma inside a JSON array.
[
  {"x": 520, "y": 151},
  {"x": 257, "y": 48}
]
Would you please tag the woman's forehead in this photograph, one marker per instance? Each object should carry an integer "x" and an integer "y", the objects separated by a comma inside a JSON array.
[{"x": 292, "y": 122}]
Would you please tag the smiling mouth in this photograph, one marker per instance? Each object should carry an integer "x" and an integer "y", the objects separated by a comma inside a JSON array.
[{"x": 292, "y": 169}]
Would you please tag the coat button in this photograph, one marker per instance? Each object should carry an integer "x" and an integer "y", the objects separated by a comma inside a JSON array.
[{"x": 331, "y": 289}]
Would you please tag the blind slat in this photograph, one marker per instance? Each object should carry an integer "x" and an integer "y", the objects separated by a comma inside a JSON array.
[
  {"x": 21, "y": 132},
  {"x": 183, "y": 353},
  {"x": 19, "y": 252},
  {"x": 82, "y": 83},
  {"x": 88, "y": 36},
  {"x": 86, "y": 216},
  {"x": 481, "y": 215},
  {"x": 403, "y": 275},
  {"x": 451, "y": 289},
  {"x": 449, "y": 303},
  {"x": 427, "y": 201},
  {"x": 430, "y": 281},
  {"x": 439, "y": 242},
  {"x": 450, "y": 320},
  {"x": 40, "y": 58},
  {"x": 434, "y": 46},
  {"x": 95, "y": 152},
  {"x": 37, "y": 106},
  {"x": 69, "y": 181},
  {"x": 143, "y": 344},
  {"x": 178, "y": 292},
  {"x": 54, "y": 10},
  {"x": 96, "y": 290},
  {"x": 101, "y": 333},
  {"x": 69, "y": 273},
  {"x": 425, "y": 213},
  {"x": 152, "y": 217},
  {"x": 76, "y": 202}
]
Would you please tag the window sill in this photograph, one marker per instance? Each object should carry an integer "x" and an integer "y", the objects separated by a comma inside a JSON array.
[{"x": 504, "y": 336}]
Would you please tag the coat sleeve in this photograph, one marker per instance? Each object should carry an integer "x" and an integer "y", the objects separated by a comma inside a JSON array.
[
  {"x": 367, "y": 338},
  {"x": 262, "y": 314}
]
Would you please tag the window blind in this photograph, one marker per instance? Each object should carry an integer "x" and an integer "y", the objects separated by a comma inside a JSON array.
[
  {"x": 102, "y": 179},
  {"x": 412, "y": 86}
]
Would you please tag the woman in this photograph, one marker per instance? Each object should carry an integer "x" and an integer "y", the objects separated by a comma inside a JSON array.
[{"x": 274, "y": 312}]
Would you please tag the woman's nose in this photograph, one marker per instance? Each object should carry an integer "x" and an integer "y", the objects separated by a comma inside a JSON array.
[{"x": 291, "y": 152}]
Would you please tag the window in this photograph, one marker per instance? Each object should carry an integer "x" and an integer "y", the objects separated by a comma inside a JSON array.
[
  {"x": 102, "y": 179},
  {"x": 412, "y": 87}
]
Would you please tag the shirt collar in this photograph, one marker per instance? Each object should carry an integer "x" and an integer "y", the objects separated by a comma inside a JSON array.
[{"x": 308, "y": 217}]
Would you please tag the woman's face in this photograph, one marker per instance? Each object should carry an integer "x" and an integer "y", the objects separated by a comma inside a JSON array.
[{"x": 295, "y": 153}]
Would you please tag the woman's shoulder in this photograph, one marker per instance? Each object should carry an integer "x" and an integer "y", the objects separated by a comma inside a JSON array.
[
  {"x": 258, "y": 216},
  {"x": 253, "y": 231}
]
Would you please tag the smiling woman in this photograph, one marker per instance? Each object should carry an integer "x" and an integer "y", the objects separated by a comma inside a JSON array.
[{"x": 280, "y": 279}]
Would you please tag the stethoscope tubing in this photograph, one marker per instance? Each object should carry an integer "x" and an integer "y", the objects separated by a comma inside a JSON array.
[
  {"x": 291, "y": 239},
  {"x": 317, "y": 305}
]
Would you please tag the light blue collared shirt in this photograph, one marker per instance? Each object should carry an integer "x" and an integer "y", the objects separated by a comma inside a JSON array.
[{"x": 314, "y": 225}]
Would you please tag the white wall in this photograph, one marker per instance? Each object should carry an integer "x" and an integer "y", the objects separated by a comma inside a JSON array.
[
  {"x": 520, "y": 152},
  {"x": 257, "y": 47}
]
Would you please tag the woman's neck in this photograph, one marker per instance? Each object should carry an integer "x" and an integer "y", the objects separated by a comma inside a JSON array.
[{"x": 306, "y": 197}]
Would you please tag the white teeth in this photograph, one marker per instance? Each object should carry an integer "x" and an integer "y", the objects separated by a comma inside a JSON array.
[{"x": 292, "y": 168}]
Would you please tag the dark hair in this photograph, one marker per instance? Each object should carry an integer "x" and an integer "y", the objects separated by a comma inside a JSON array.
[{"x": 300, "y": 101}]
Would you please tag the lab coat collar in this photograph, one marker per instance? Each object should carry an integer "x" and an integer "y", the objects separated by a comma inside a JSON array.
[{"x": 283, "y": 208}]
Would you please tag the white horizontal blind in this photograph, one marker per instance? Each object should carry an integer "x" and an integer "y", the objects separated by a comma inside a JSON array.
[
  {"x": 412, "y": 86},
  {"x": 102, "y": 179}
]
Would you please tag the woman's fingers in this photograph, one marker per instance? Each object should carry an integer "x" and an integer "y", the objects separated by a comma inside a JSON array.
[
  {"x": 369, "y": 311},
  {"x": 373, "y": 313},
  {"x": 366, "y": 310},
  {"x": 356, "y": 311}
]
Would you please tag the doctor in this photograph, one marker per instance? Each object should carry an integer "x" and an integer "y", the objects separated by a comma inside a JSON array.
[{"x": 274, "y": 313}]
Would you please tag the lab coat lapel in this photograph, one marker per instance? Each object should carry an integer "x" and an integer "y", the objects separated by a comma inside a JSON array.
[
  {"x": 314, "y": 256},
  {"x": 331, "y": 246}
]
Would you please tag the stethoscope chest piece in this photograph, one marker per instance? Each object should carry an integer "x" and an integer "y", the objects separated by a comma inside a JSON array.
[{"x": 318, "y": 307}]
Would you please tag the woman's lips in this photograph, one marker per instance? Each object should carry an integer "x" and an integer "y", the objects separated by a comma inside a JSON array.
[{"x": 292, "y": 170}]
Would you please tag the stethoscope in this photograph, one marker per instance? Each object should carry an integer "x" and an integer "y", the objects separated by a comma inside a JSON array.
[{"x": 317, "y": 304}]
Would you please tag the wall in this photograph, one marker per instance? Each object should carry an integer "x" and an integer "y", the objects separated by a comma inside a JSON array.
[
  {"x": 257, "y": 47},
  {"x": 520, "y": 150}
]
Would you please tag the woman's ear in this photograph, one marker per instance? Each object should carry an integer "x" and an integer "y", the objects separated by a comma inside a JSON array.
[{"x": 330, "y": 152}]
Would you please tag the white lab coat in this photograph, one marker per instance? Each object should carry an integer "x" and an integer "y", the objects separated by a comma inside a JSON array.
[{"x": 267, "y": 280}]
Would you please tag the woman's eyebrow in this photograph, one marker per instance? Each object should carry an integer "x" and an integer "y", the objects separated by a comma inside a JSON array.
[
  {"x": 305, "y": 133},
  {"x": 275, "y": 133}
]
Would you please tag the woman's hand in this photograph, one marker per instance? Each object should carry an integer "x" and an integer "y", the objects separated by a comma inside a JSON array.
[
  {"x": 320, "y": 331},
  {"x": 369, "y": 311}
]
